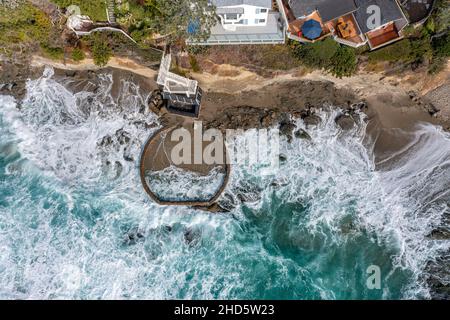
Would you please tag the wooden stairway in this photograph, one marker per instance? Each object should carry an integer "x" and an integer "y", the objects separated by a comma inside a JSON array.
[{"x": 110, "y": 11}]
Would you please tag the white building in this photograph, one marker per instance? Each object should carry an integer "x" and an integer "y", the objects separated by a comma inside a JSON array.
[
  {"x": 235, "y": 13},
  {"x": 245, "y": 22}
]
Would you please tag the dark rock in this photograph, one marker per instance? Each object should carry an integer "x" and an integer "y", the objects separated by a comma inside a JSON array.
[
  {"x": 70, "y": 73},
  {"x": 128, "y": 158},
  {"x": 119, "y": 168},
  {"x": 360, "y": 106},
  {"x": 227, "y": 202},
  {"x": 440, "y": 234},
  {"x": 302, "y": 134},
  {"x": 123, "y": 137},
  {"x": 412, "y": 94},
  {"x": 311, "y": 120},
  {"x": 133, "y": 236},
  {"x": 286, "y": 127},
  {"x": 192, "y": 237},
  {"x": 346, "y": 122},
  {"x": 431, "y": 109},
  {"x": 267, "y": 120},
  {"x": 156, "y": 101},
  {"x": 106, "y": 141},
  {"x": 247, "y": 192},
  {"x": 439, "y": 277},
  {"x": 214, "y": 208},
  {"x": 278, "y": 183}
]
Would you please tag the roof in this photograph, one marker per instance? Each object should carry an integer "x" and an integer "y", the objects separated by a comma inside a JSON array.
[
  {"x": 272, "y": 32},
  {"x": 256, "y": 3},
  {"x": 328, "y": 9},
  {"x": 390, "y": 11},
  {"x": 235, "y": 10}
]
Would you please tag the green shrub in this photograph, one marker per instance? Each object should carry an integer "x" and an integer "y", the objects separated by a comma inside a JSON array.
[
  {"x": 343, "y": 62},
  {"x": 55, "y": 53},
  {"x": 24, "y": 24},
  {"x": 421, "y": 49},
  {"x": 316, "y": 55},
  {"x": 441, "y": 52},
  {"x": 441, "y": 16},
  {"x": 328, "y": 55},
  {"x": 399, "y": 51},
  {"x": 441, "y": 46},
  {"x": 194, "y": 64},
  {"x": 101, "y": 51},
  {"x": 95, "y": 9},
  {"x": 195, "y": 50},
  {"x": 77, "y": 54}
]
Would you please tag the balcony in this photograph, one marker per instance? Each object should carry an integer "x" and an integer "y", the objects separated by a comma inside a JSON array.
[
  {"x": 383, "y": 36},
  {"x": 347, "y": 31}
]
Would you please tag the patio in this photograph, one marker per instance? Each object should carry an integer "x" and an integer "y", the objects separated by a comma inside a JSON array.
[
  {"x": 295, "y": 27},
  {"x": 383, "y": 36},
  {"x": 347, "y": 28}
]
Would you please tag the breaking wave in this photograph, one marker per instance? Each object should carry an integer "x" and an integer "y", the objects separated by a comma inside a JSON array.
[
  {"x": 175, "y": 184},
  {"x": 75, "y": 221}
]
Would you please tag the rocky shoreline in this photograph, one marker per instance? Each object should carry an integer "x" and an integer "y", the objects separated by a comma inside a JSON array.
[{"x": 279, "y": 104}]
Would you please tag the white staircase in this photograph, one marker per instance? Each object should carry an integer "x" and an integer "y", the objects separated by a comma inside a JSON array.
[
  {"x": 110, "y": 11},
  {"x": 174, "y": 83}
]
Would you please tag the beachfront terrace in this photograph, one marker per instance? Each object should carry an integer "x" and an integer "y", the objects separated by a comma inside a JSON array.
[
  {"x": 346, "y": 30},
  {"x": 295, "y": 27},
  {"x": 383, "y": 36},
  {"x": 271, "y": 33}
]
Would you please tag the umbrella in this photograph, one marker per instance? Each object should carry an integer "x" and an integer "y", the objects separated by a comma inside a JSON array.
[
  {"x": 193, "y": 27},
  {"x": 312, "y": 29}
]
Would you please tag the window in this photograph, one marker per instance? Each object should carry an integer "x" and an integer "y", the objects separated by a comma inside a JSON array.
[
  {"x": 263, "y": 10},
  {"x": 259, "y": 10},
  {"x": 231, "y": 16},
  {"x": 260, "y": 21}
]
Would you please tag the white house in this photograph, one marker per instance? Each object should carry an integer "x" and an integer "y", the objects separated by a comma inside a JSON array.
[
  {"x": 235, "y": 13},
  {"x": 245, "y": 22}
]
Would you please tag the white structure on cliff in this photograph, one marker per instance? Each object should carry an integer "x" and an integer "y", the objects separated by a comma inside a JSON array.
[
  {"x": 183, "y": 96},
  {"x": 245, "y": 22},
  {"x": 173, "y": 83}
]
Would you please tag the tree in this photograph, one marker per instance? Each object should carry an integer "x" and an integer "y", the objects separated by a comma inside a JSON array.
[
  {"x": 101, "y": 52},
  {"x": 174, "y": 18}
]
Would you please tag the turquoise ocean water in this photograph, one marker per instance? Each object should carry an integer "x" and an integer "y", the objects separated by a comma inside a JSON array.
[{"x": 76, "y": 223}]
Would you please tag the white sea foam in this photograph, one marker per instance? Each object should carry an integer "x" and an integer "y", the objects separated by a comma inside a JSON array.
[
  {"x": 175, "y": 184},
  {"x": 71, "y": 214},
  {"x": 335, "y": 175}
]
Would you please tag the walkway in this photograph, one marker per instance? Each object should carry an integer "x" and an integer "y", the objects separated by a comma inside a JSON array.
[{"x": 110, "y": 11}]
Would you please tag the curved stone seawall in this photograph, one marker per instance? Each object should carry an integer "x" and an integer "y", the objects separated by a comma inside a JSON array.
[{"x": 147, "y": 151}]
